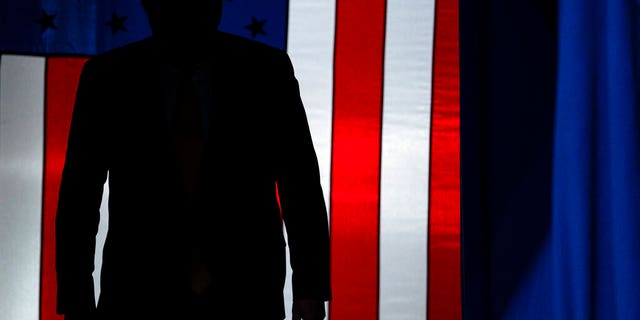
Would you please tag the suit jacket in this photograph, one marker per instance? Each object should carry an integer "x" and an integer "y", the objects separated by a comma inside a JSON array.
[{"x": 258, "y": 146}]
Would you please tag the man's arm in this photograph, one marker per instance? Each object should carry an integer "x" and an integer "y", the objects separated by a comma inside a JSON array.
[
  {"x": 301, "y": 197},
  {"x": 81, "y": 188}
]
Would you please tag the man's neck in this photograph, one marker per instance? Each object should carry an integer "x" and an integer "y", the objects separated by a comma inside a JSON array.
[{"x": 187, "y": 50}]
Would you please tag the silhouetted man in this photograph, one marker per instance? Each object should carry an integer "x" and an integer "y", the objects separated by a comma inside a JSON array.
[{"x": 198, "y": 131}]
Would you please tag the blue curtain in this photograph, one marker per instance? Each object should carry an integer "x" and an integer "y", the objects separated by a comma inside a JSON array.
[
  {"x": 596, "y": 177},
  {"x": 550, "y": 159}
]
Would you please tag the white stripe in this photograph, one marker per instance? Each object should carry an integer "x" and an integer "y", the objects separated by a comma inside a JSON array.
[
  {"x": 21, "y": 167},
  {"x": 310, "y": 46},
  {"x": 404, "y": 191},
  {"x": 101, "y": 237}
]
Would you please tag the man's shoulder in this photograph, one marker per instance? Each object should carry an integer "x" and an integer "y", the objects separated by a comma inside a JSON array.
[
  {"x": 242, "y": 49},
  {"x": 225, "y": 42},
  {"x": 232, "y": 49},
  {"x": 135, "y": 50},
  {"x": 114, "y": 61},
  {"x": 238, "y": 43}
]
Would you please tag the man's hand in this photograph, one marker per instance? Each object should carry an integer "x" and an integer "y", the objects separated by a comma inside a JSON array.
[{"x": 308, "y": 309}]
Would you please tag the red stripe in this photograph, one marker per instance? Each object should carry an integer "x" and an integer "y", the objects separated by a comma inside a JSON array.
[
  {"x": 444, "y": 293},
  {"x": 61, "y": 84},
  {"x": 355, "y": 166}
]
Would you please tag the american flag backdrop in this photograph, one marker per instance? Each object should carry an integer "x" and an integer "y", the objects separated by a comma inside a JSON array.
[{"x": 380, "y": 82}]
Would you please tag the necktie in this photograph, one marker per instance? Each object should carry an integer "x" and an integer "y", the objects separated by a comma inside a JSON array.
[
  {"x": 188, "y": 136},
  {"x": 189, "y": 145}
]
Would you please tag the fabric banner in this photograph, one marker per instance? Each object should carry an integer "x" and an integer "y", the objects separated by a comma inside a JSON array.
[{"x": 379, "y": 83}]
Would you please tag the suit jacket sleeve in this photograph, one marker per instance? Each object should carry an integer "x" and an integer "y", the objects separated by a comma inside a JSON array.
[
  {"x": 302, "y": 202},
  {"x": 78, "y": 213}
]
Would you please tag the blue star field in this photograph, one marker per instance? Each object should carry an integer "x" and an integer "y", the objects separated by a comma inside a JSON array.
[{"x": 88, "y": 27}]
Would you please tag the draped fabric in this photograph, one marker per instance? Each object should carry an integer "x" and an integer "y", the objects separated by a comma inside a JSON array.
[
  {"x": 595, "y": 239},
  {"x": 550, "y": 168}
]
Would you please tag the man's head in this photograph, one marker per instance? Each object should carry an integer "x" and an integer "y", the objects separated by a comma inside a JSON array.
[{"x": 183, "y": 19}]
